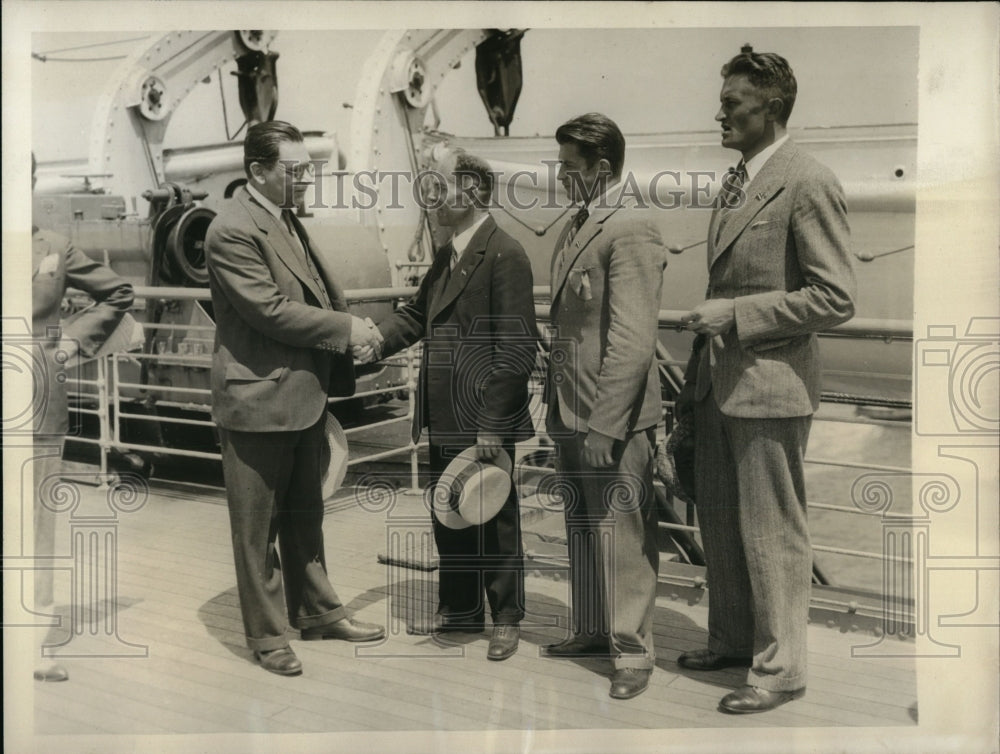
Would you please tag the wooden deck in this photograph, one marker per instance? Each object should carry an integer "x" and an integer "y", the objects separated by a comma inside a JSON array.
[{"x": 176, "y": 607}]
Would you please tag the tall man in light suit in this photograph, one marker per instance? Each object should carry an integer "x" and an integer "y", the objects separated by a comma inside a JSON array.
[
  {"x": 283, "y": 344},
  {"x": 779, "y": 271},
  {"x": 603, "y": 396},
  {"x": 476, "y": 316}
]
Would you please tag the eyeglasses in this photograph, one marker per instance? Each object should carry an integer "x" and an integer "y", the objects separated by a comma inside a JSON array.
[{"x": 299, "y": 172}]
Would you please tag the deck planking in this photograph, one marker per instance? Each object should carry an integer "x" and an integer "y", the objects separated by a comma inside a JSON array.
[{"x": 176, "y": 594}]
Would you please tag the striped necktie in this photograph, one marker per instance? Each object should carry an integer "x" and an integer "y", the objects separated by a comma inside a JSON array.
[{"x": 730, "y": 195}]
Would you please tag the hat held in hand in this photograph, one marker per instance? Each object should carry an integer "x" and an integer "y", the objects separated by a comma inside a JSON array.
[
  {"x": 471, "y": 491},
  {"x": 675, "y": 460},
  {"x": 333, "y": 458}
]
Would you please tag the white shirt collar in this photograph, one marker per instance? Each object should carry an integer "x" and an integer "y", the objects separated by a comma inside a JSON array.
[
  {"x": 461, "y": 240},
  {"x": 755, "y": 163},
  {"x": 266, "y": 203}
]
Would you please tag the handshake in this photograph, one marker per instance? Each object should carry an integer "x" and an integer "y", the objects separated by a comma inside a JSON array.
[{"x": 366, "y": 340}]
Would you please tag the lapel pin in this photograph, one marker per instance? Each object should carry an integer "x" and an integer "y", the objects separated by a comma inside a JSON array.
[{"x": 761, "y": 196}]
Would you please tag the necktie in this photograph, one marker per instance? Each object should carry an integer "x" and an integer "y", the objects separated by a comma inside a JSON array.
[
  {"x": 578, "y": 220},
  {"x": 286, "y": 215},
  {"x": 730, "y": 195}
]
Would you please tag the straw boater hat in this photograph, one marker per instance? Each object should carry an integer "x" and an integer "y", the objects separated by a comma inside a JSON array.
[
  {"x": 470, "y": 491},
  {"x": 334, "y": 458}
]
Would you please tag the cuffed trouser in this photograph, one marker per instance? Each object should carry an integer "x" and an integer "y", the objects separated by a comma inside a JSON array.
[
  {"x": 614, "y": 557},
  {"x": 751, "y": 500},
  {"x": 273, "y": 488},
  {"x": 478, "y": 559}
]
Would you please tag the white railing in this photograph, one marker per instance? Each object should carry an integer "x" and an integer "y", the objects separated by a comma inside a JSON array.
[{"x": 112, "y": 408}]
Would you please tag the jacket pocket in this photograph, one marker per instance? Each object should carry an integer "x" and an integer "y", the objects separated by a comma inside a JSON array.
[{"x": 237, "y": 372}]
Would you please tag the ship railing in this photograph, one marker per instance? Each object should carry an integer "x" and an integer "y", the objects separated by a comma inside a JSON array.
[{"x": 112, "y": 407}]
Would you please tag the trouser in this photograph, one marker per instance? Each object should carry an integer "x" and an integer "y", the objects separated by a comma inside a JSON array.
[
  {"x": 751, "y": 499},
  {"x": 480, "y": 559},
  {"x": 273, "y": 488},
  {"x": 611, "y": 531},
  {"x": 45, "y": 470}
]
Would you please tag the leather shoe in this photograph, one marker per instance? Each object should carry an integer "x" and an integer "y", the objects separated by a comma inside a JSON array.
[
  {"x": 344, "y": 629},
  {"x": 754, "y": 699},
  {"x": 51, "y": 674},
  {"x": 281, "y": 661},
  {"x": 504, "y": 641},
  {"x": 578, "y": 646},
  {"x": 629, "y": 682},
  {"x": 441, "y": 625},
  {"x": 706, "y": 659}
]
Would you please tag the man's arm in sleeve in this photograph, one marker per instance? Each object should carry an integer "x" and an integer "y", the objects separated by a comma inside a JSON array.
[
  {"x": 240, "y": 274},
  {"x": 515, "y": 336},
  {"x": 822, "y": 242},
  {"x": 113, "y": 296},
  {"x": 635, "y": 279}
]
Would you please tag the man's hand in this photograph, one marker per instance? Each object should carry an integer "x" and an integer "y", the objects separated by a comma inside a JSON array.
[
  {"x": 712, "y": 317},
  {"x": 488, "y": 446},
  {"x": 67, "y": 350},
  {"x": 597, "y": 449},
  {"x": 366, "y": 340}
]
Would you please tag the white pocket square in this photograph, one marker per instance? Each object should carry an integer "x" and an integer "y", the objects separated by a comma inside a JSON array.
[
  {"x": 760, "y": 223},
  {"x": 579, "y": 281}
]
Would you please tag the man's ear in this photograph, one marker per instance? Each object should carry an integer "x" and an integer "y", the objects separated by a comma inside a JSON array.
[
  {"x": 774, "y": 107},
  {"x": 256, "y": 172}
]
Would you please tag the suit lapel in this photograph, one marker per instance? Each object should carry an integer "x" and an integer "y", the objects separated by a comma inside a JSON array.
[
  {"x": 590, "y": 229},
  {"x": 466, "y": 265},
  {"x": 766, "y": 185},
  {"x": 280, "y": 240}
]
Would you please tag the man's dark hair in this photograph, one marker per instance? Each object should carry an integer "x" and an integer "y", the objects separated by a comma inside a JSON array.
[
  {"x": 264, "y": 140},
  {"x": 597, "y": 137},
  {"x": 768, "y": 72},
  {"x": 481, "y": 174}
]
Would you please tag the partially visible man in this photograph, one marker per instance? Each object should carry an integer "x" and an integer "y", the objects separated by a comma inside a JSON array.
[
  {"x": 779, "y": 271},
  {"x": 282, "y": 346},
  {"x": 476, "y": 315},
  {"x": 603, "y": 395},
  {"x": 58, "y": 265}
]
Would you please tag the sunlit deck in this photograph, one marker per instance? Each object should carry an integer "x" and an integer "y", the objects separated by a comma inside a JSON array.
[{"x": 178, "y": 663}]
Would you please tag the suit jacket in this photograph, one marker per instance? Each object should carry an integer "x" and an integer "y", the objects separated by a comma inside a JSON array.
[
  {"x": 480, "y": 340},
  {"x": 280, "y": 348},
  {"x": 56, "y": 266},
  {"x": 603, "y": 373},
  {"x": 784, "y": 257}
]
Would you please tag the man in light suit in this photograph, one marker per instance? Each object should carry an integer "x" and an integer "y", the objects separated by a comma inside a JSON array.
[
  {"x": 56, "y": 266},
  {"x": 603, "y": 396},
  {"x": 476, "y": 315},
  {"x": 779, "y": 271},
  {"x": 283, "y": 344}
]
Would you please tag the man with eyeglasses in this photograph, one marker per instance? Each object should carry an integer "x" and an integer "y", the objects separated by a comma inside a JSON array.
[{"x": 284, "y": 339}]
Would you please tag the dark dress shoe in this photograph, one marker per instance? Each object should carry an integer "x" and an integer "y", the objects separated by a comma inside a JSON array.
[
  {"x": 754, "y": 699},
  {"x": 629, "y": 682},
  {"x": 504, "y": 641},
  {"x": 706, "y": 659},
  {"x": 442, "y": 625},
  {"x": 51, "y": 674},
  {"x": 281, "y": 661},
  {"x": 345, "y": 629},
  {"x": 578, "y": 646}
]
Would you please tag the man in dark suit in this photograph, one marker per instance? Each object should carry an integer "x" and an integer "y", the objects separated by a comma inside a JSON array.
[
  {"x": 779, "y": 271},
  {"x": 476, "y": 315},
  {"x": 603, "y": 395},
  {"x": 56, "y": 266},
  {"x": 282, "y": 345}
]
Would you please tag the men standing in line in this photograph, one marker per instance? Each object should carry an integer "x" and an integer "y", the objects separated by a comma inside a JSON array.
[
  {"x": 58, "y": 265},
  {"x": 476, "y": 315},
  {"x": 283, "y": 344},
  {"x": 779, "y": 271},
  {"x": 603, "y": 395}
]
